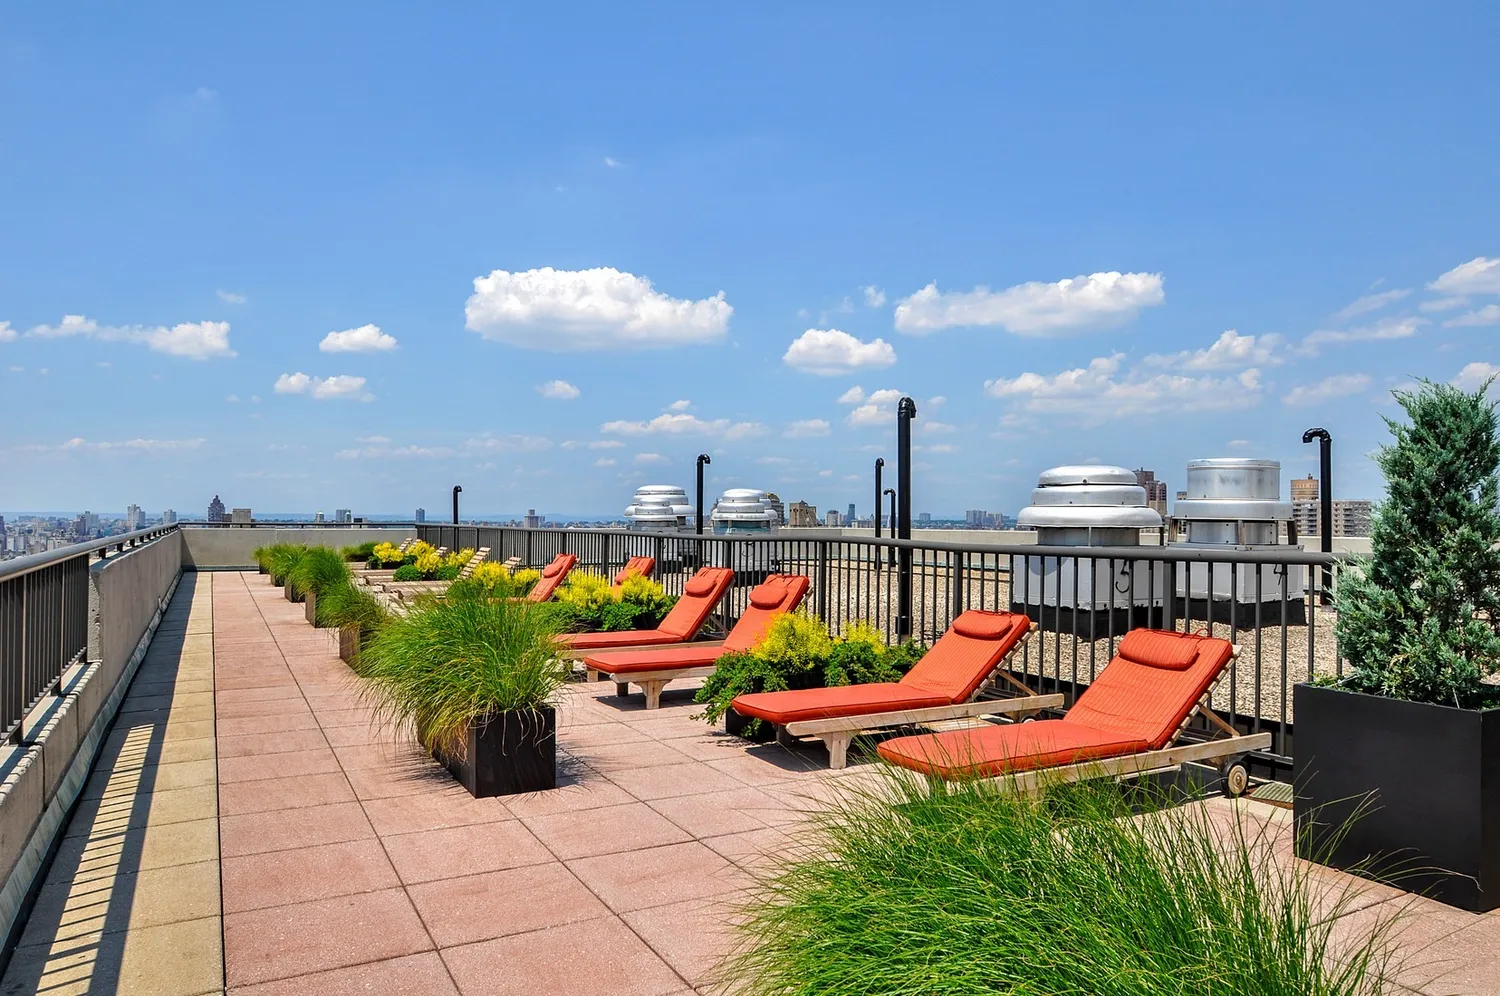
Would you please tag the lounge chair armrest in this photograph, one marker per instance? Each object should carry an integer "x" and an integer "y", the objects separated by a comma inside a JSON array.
[{"x": 930, "y": 714}]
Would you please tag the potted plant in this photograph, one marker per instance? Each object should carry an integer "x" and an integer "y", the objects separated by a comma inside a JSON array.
[
  {"x": 1397, "y": 770},
  {"x": 473, "y": 680},
  {"x": 588, "y": 603},
  {"x": 319, "y": 570},
  {"x": 354, "y": 612}
]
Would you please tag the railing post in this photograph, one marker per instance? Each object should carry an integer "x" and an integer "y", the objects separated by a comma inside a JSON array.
[
  {"x": 957, "y": 600},
  {"x": 822, "y": 574}
]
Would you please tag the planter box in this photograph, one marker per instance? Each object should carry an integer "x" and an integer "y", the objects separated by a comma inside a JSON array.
[
  {"x": 349, "y": 642},
  {"x": 1428, "y": 777},
  {"x": 735, "y": 724},
  {"x": 292, "y": 596},
  {"x": 510, "y": 753},
  {"x": 310, "y": 608}
]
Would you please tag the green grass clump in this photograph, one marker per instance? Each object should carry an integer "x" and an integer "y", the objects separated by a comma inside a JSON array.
[
  {"x": 966, "y": 889},
  {"x": 359, "y": 553},
  {"x": 281, "y": 559},
  {"x": 317, "y": 570},
  {"x": 348, "y": 604},
  {"x": 451, "y": 662}
]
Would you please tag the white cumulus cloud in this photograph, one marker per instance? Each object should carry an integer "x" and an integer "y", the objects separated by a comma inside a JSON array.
[
  {"x": 604, "y": 462},
  {"x": 853, "y": 396},
  {"x": 1488, "y": 315},
  {"x": 1104, "y": 391},
  {"x": 1231, "y": 351},
  {"x": 876, "y": 409},
  {"x": 597, "y": 309},
  {"x": 558, "y": 390},
  {"x": 339, "y": 387},
  {"x": 1097, "y": 300},
  {"x": 830, "y": 352},
  {"x": 680, "y": 405},
  {"x": 194, "y": 340},
  {"x": 1327, "y": 389},
  {"x": 684, "y": 425},
  {"x": 365, "y": 339},
  {"x": 874, "y": 296},
  {"x": 644, "y": 458},
  {"x": 1475, "y": 375},
  {"x": 7, "y": 334},
  {"x": 1480, "y": 275},
  {"x": 807, "y": 428}
]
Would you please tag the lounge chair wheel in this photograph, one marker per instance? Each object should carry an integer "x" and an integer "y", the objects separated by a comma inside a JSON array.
[{"x": 1236, "y": 779}]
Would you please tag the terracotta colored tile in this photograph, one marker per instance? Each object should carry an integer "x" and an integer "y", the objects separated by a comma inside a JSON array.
[
  {"x": 356, "y": 736},
  {"x": 693, "y": 937},
  {"x": 281, "y": 878},
  {"x": 279, "y": 723},
  {"x": 452, "y": 807},
  {"x": 467, "y": 850},
  {"x": 292, "y": 828},
  {"x": 286, "y": 941},
  {"x": 670, "y": 780},
  {"x": 656, "y": 877},
  {"x": 767, "y": 766},
  {"x": 256, "y": 744},
  {"x": 420, "y": 775},
  {"x": 592, "y": 958},
  {"x": 355, "y": 716},
  {"x": 756, "y": 851},
  {"x": 285, "y": 764},
  {"x": 271, "y": 693},
  {"x": 496, "y": 904},
  {"x": 604, "y": 831},
  {"x": 576, "y": 790},
  {"x": 599, "y": 735},
  {"x": 413, "y": 975},
  {"x": 267, "y": 794},
  {"x": 261, "y": 707},
  {"x": 717, "y": 813},
  {"x": 610, "y": 758},
  {"x": 388, "y": 753}
]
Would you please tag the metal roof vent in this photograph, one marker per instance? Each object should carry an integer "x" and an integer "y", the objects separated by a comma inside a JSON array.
[
  {"x": 744, "y": 510},
  {"x": 659, "y": 506},
  {"x": 1088, "y": 505}
]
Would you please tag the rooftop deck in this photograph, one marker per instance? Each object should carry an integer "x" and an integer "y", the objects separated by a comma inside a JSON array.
[{"x": 249, "y": 827}]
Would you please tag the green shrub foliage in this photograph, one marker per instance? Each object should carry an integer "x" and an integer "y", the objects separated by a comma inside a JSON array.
[
  {"x": 407, "y": 572},
  {"x": 348, "y": 604},
  {"x": 1421, "y": 620},
  {"x": 317, "y": 570},
  {"x": 797, "y": 652}
]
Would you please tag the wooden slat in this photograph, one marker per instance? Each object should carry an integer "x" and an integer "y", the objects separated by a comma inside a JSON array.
[{"x": 930, "y": 714}]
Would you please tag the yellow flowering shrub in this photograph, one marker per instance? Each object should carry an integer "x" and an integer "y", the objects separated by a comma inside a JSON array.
[
  {"x": 586, "y": 594},
  {"x": 427, "y": 563},
  {"x": 644, "y": 593},
  {"x": 460, "y": 558},
  {"x": 420, "y": 547},
  {"x": 526, "y": 579},
  {"x": 491, "y": 574},
  {"x": 796, "y": 641}
]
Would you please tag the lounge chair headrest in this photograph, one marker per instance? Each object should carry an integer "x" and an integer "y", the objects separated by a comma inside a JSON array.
[
  {"x": 1173, "y": 651},
  {"x": 979, "y": 625},
  {"x": 769, "y": 595},
  {"x": 700, "y": 584},
  {"x": 553, "y": 569}
]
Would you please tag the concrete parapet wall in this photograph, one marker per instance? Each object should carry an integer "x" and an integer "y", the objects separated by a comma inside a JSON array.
[
  {"x": 44, "y": 776},
  {"x": 217, "y": 549}
]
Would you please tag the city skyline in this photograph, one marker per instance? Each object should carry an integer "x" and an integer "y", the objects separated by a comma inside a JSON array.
[{"x": 375, "y": 285}]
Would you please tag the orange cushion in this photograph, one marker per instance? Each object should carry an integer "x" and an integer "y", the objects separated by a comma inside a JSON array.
[
  {"x": 552, "y": 569},
  {"x": 957, "y": 664},
  {"x": 825, "y": 703},
  {"x": 659, "y": 659},
  {"x": 701, "y": 595},
  {"x": 700, "y": 584},
  {"x": 989, "y": 750},
  {"x": 768, "y": 595},
  {"x": 1145, "y": 702},
  {"x": 752, "y": 624},
  {"x": 1158, "y": 649},
  {"x": 626, "y": 638}
]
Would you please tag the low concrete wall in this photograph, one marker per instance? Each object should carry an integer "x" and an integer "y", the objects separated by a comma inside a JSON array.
[
  {"x": 42, "y": 778},
  {"x": 218, "y": 549}
]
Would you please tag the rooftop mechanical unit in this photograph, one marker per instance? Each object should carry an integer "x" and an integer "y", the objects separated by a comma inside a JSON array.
[
  {"x": 660, "y": 508},
  {"x": 747, "y": 512},
  {"x": 1091, "y": 505},
  {"x": 1235, "y": 503}
]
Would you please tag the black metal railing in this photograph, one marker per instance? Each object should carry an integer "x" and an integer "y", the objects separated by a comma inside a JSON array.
[
  {"x": 44, "y": 620},
  {"x": 1083, "y": 600}
]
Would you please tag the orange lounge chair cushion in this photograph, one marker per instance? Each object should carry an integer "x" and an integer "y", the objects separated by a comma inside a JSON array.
[
  {"x": 619, "y": 638},
  {"x": 775, "y": 595},
  {"x": 639, "y": 566},
  {"x": 701, "y": 594},
  {"x": 827, "y": 703},
  {"x": 964, "y": 656},
  {"x": 660, "y": 659},
  {"x": 1148, "y": 702},
  {"x": 987, "y": 751},
  {"x": 553, "y": 575}
]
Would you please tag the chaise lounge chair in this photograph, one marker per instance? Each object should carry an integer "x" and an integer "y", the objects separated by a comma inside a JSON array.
[
  {"x": 553, "y": 575},
  {"x": 635, "y": 566},
  {"x": 1123, "y": 724},
  {"x": 409, "y": 589},
  {"x": 700, "y": 596},
  {"x": 938, "y": 688},
  {"x": 653, "y": 669}
]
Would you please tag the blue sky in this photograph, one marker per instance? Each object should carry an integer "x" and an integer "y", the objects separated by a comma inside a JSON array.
[{"x": 1069, "y": 233}]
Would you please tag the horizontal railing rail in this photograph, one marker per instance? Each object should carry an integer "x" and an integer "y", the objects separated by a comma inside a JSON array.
[
  {"x": 277, "y": 524},
  {"x": 1268, "y": 600},
  {"x": 44, "y": 619}
]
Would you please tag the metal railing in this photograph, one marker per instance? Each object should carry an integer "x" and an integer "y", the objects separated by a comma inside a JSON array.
[
  {"x": 1083, "y": 599},
  {"x": 44, "y": 620}
]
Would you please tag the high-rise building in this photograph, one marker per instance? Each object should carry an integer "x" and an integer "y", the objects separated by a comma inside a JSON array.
[
  {"x": 774, "y": 500},
  {"x": 849, "y": 518},
  {"x": 216, "y": 510},
  {"x": 318, "y": 517},
  {"x": 1351, "y": 517},
  {"x": 241, "y": 516},
  {"x": 134, "y": 518},
  {"x": 1307, "y": 512},
  {"x": 802, "y": 514},
  {"x": 975, "y": 517},
  {"x": 2, "y": 534},
  {"x": 534, "y": 521},
  {"x": 1305, "y": 488},
  {"x": 1156, "y": 491},
  {"x": 420, "y": 516},
  {"x": 342, "y": 515},
  {"x": 924, "y": 516},
  {"x": 833, "y": 518},
  {"x": 168, "y": 517}
]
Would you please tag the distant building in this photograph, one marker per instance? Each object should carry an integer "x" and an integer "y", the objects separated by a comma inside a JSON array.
[
  {"x": 1156, "y": 491},
  {"x": 833, "y": 518},
  {"x": 1351, "y": 517},
  {"x": 975, "y": 517},
  {"x": 802, "y": 514},
  {"x": 1305, "y": 488},
  {"x": 850, "y": 517},
  {"x": 215, "y": 510},
  {"x": 168, "y": 517},
  {"x": 241, "y": 516},
  {"x": 532, "y": 520},
  {"x": 318, "y": 517},
  {"x": 342, "y": 515},
  {"x": 774, "y": 500},
  {"x": 134, "y": 518},
  {"x": 1182, "y": 496},
  {"x": 420, "y": 516},
  {"x": 924, "y": 517}
]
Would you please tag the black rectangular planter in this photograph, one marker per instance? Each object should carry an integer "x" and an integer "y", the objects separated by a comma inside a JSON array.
[
  {"x": 1431, "y": 775},
  {"x": 511, "y": 752}
]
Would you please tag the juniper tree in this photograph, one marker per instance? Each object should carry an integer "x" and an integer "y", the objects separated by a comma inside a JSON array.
[{"x": 1421, "y": 620}]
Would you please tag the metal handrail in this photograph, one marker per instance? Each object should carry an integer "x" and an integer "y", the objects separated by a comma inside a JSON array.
[{"x": 36, "y": 561}]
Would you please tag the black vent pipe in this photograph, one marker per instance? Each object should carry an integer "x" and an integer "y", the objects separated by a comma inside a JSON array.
[
  {"x": 456, "y": 489},
  {"x": 906, "y": 410},
  {"x": 703, "y": 458},
  {"x": 1325, "y": 497}
]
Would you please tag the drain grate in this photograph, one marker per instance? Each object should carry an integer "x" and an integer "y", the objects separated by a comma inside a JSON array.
[{"x": 1279, "y": 793}]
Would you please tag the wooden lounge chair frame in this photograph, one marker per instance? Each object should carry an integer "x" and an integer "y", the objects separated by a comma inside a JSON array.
[{"x": 652, "y": 682}]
